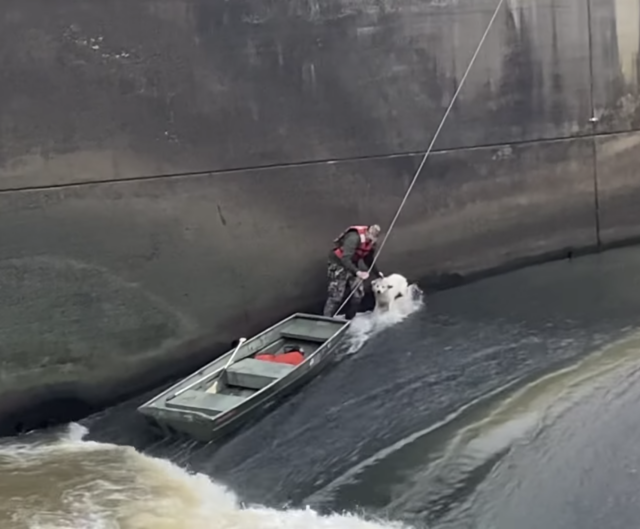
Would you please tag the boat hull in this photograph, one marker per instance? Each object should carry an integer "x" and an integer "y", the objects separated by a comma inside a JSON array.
[{"x": 206, "y": 428}]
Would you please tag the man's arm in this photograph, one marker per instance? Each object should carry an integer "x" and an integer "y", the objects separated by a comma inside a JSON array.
[
  {"x": 368, "y": 260},
  {"x": 349, "y": 245}
]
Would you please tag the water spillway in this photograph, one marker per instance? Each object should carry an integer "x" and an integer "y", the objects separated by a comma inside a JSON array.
[{"x": 509, "y": 397}]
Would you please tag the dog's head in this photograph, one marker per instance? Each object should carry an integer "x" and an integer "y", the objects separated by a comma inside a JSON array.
[{"x": 379, "y": 286}]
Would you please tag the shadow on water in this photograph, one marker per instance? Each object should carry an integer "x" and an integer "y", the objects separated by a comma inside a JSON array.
[{"x": 468, "y": 343}]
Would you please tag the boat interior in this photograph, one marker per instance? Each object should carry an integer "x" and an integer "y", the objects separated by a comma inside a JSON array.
[{"x": 221, "y": 390}]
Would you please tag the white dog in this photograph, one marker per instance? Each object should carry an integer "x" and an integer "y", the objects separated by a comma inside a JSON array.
[{"x": 388, "y": 289}]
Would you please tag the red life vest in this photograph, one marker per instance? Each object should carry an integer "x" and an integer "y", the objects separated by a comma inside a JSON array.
[
  {"x": 363, "y": 249},
  {"x": 292, "y": 358}
]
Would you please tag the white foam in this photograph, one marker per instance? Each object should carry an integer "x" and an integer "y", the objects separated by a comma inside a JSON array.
[
  {"x": 367, "y": 324},
  {"x": 37, "y": 447},
  {"x": 117, "y": 487},
  {"x": 76, "y": 432},
  {"x": 215, "y": 507}
]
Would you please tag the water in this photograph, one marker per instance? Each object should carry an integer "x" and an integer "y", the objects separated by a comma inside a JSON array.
[
  {"x": 65, "y": 482},
  {"x": 471, "y": 471},
  {"x": 366, "y": 325},
  {"x": 507, "y": 403}
]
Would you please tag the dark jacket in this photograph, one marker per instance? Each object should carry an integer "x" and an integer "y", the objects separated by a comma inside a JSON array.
[{"x": 349, "y": 244}]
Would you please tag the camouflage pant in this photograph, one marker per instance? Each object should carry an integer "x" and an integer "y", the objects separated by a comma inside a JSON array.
[{"x": 341, "y": 282}]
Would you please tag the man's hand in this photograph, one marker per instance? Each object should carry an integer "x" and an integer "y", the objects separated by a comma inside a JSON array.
[{"x": 363, "y": 275}]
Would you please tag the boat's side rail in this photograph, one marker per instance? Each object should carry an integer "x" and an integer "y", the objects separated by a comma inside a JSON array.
[
  {"x": 231, "y": 412},
  {"x": 249, "y": 348},
  {"x": 323, "y": 334}
]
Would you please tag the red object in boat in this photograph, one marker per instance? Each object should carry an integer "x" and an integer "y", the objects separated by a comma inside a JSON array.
[{"x": 291, "y": 357}]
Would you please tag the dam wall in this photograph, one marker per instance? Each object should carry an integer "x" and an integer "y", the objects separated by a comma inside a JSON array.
[{"x": 172, "y": 172}]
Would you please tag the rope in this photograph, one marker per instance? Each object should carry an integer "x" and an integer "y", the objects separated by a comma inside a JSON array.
[{"x": 428, "y": 152}]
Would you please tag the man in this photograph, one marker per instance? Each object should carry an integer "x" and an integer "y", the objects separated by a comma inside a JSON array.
[{"x": 349, "y": 261}]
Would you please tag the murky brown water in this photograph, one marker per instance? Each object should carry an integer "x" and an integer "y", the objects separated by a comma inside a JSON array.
[{"x": 66, "y": 483}]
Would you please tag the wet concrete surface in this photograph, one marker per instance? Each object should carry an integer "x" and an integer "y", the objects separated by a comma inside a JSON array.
[
  {"x": 615, "y": 42},
  {"x": 617, "y": 162},
  {"x": 100, "y": 92},
  {"x": 468, "y": 344}
]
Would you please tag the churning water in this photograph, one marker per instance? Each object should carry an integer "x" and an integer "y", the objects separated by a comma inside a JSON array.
[
  {"x": 62, "y": 481},
  {"x": 367, "y": 324},
  {"x": 508, "y": 403}
]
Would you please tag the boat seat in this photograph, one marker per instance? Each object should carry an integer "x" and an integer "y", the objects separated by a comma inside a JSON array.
[
  {"x": 213, "y": 403},
  {"x": 256, "y": 374},
  {"x": 303, "y": 337}
]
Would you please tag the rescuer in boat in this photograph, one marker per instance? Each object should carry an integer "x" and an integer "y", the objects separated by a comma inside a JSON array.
[{"x": 349, "y": 261}]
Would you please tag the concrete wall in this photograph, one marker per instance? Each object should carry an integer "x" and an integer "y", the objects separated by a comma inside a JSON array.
[{"x": 172, "y": 172}]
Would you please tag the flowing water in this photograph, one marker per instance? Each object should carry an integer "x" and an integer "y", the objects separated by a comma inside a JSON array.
[
  {"x": 62, "y": 481},
  {"x": 493, "y": 464},
  {"x": 507, "y": 403}
]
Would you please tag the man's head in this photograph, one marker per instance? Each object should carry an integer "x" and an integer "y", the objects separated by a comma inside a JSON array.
[{"x": 373, "y": 232}]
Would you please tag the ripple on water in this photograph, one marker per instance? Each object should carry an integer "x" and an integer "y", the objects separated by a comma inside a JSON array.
[{"x": 442, "y": 475}]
